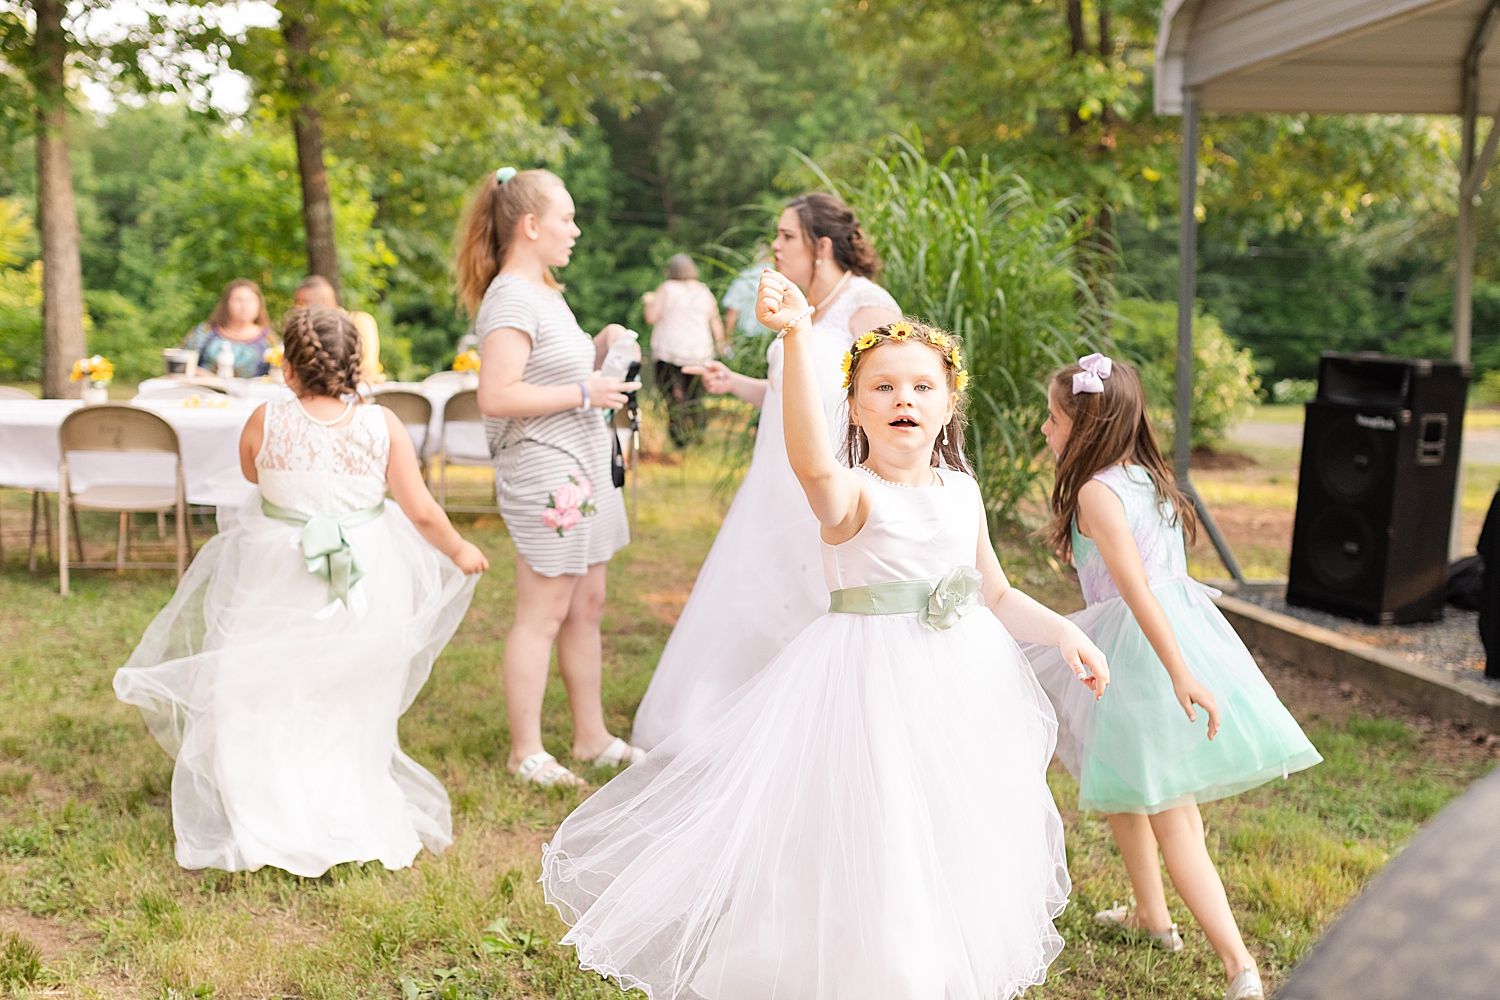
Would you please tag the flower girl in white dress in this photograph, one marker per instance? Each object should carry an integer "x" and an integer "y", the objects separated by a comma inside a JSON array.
[
  {"x": 302, "y": 632},
  {"x": 871, "y": 819}
]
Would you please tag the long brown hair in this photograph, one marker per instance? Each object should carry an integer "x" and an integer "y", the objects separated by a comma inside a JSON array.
[
  {"x": 949, "y": 446},
  {"x": 487, "y": 228},
  {"x": 821, "y": 214},
  {"x": 220, "y": 316},
  {"x": 323, "y": 349},
  {"x": 1109, "y": 427}
]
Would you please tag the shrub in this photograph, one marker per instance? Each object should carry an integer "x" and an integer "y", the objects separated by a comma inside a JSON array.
[
  {"x": 973, "y": 249},
  {"x": 1293, "y": 391},
  {"x": 1225, "y": 385}
]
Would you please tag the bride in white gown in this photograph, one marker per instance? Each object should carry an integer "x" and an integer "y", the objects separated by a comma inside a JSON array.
[
  {"x": 762, "y": 582},
  {"x": 277, "y": 691}
]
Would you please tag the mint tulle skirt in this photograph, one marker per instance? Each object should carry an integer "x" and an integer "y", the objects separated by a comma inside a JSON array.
[{"x": 1134, "y": 750}]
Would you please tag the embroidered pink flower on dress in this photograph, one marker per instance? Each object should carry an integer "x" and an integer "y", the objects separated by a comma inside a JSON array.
[{"x": 569, "y": 503}]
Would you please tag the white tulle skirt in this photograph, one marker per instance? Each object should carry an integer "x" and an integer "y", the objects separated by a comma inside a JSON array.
[
  {"x": 282, "y": 722},
  {"x": 868, "y": 820}
]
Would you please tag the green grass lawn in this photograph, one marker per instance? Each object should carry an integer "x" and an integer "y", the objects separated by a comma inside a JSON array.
[{"x": 88, "y": 880}]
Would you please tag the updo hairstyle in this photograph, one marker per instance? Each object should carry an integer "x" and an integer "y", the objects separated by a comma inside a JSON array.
[
  {"x": 322, "y": 347},
  {"x": 821, "y": 214}
]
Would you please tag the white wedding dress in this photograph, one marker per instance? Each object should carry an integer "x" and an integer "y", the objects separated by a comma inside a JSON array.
[
  {"x": 280, "y": 706},
  {"x": 868, "y": 819},
  {"x": 761, "y": 583}
]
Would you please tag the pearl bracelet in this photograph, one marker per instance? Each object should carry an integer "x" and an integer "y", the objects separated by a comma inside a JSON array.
[{"x": 795, "y": 320}]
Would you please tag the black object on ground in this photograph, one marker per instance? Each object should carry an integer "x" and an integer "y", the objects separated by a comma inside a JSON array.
[
  {"x": 1466, "y": 582},
  {"x": 1489, "y": 595},
  {"x": 1380, "y": 455},
  {"x": 1425, "y": 926}
]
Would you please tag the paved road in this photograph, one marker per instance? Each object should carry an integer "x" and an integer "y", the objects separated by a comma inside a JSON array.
[{"x": 1481, "y": 445}]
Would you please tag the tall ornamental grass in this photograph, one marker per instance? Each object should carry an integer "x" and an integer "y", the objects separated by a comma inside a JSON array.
[{"x": 973, "y": 249}]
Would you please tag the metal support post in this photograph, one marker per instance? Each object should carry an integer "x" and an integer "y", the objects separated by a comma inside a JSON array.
[{"x": 1187, "y": 293}]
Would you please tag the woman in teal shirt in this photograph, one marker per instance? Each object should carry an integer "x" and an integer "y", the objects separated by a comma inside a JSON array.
[{"x": 240, "y": 322}]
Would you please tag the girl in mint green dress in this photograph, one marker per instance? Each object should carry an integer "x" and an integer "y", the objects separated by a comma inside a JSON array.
[{"x": 1188, "y": 716}]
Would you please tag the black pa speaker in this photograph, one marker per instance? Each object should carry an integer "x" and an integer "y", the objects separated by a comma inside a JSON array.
[{"x": 1380, "y": 454}]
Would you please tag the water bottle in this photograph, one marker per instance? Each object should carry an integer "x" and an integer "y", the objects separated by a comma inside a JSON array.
[
  {"x": 621, "y": 353},
  {"x": 225, "y": 360}
]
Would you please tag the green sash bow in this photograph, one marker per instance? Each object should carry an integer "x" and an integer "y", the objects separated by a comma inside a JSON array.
[
  {"x": 324, "y": 546},
  {"x": 939, "y": 602}
]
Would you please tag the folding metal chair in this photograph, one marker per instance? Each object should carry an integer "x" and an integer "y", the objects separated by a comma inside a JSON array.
[
  {"x": 413, "y": 410},
  {"x": 461, "y": 408},
  {"x": 118, "y": 427}
]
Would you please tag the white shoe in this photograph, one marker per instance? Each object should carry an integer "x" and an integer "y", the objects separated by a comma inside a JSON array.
[
  {"x": 541, "y": 768},
  {"x": 1246, "y": 986},
  {"x": 1168, "y": 940},
  {"x": 619, "y": 753}
]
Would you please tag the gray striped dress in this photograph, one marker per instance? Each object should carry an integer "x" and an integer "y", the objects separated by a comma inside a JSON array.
[{"x": 534, "y": 456}]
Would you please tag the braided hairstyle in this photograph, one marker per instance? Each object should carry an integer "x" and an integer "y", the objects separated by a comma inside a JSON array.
[
  {"x": 322, "y": 347},
  {"x": 948, "y": 449}
]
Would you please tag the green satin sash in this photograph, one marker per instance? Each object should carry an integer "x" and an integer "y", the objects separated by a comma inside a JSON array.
[
  {"x": 324, "y": 546},
  {"x": 939, "y": 602}
]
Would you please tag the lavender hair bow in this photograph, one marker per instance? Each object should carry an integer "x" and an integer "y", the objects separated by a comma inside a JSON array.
[{"x": 1096, "y": 368}]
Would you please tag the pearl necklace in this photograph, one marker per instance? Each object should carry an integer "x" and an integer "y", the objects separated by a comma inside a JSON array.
[
  {"x": 839, "y": 287},
  {"x": 324, "y": 423},
  {"x": 905, "y": 486}
]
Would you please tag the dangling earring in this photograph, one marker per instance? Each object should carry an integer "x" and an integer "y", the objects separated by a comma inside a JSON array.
[{"x": 945, "y": 435}]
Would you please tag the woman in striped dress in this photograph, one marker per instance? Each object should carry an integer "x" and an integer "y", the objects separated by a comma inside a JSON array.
[{"x": 540, "y": 388}]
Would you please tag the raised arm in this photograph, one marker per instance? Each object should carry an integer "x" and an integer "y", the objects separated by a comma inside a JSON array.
[
  {"x": 1101, "y": 517},
  {"x": 835, "y": 494}
]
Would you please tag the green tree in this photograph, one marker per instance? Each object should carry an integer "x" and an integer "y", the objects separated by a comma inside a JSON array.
[
  {"x": 45, "y": 45},
  {"x": 392, "y": 84}
]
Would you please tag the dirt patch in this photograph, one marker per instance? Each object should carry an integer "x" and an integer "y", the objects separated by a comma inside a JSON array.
[
  {"x": 1212, "y": 460},
  {"x": 666, "y": 606},
  {"x": 1309, "y": 697}
]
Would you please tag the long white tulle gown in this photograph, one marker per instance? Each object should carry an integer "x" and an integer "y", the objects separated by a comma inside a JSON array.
[
  {"x": 761, "y": 583},
  {"x": 280, "y": 705},
  {"x": 869, "y": 819}
]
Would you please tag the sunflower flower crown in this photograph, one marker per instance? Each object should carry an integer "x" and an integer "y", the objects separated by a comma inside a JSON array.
[{"x": 953, "y": 357}]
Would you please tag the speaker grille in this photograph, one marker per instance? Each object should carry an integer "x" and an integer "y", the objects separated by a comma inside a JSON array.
[
  {"x": 1341, "y": 546},
  {"x": 1350, "y": 461}
]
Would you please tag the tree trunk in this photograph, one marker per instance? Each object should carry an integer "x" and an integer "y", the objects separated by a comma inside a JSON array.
[
  {"x": 57, "y": 218},
  {"x": 307, "y": 126},
  {"x": 1079, "y": 44}
]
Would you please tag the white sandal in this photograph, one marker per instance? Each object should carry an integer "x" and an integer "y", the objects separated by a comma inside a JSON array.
[
  {"x": 619, "y": 753},
  {"x": 1246, "y": 986},
  {"x": 1168, "y": 940},
  {"x": 535, "y": 769}
]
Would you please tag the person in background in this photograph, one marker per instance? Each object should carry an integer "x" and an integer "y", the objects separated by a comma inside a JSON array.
[
  {"x": 316, "y": 290},
  {"x": 240, "y": 323},
  {"x": 685, "y": 331},
  {"x": 739, "y": 298}
]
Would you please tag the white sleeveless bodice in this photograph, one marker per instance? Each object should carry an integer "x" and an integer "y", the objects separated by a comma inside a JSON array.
[
  {"x": 312, "y": 469},
  {"x": 1157, "y": 531},
  {"x": 912, "y": 534}
]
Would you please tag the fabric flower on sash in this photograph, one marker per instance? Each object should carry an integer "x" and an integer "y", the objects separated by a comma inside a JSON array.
[{"x": 954, "y": 595}]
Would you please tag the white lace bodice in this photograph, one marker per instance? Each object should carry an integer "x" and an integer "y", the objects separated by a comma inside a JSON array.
[
  {"x": 912, "y": 534},
  {"x": 306, "y": 467}
]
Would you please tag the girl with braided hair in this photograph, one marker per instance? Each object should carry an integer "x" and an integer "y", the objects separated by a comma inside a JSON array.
[{"x": 301, "y": 633}]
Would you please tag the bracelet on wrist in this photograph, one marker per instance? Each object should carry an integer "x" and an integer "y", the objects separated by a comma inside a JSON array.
[
  {"x": 583, "y": 388},
  {"x": 796, "y": 320}
]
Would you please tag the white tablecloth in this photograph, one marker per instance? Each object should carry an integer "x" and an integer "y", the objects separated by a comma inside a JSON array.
[
  {"x": 209, "y": 438},
  {"x": 239, "y": 388}
]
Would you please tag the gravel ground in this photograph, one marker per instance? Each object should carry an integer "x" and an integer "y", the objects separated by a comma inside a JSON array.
[{"x": 1452, "y": 643}]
